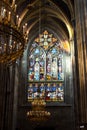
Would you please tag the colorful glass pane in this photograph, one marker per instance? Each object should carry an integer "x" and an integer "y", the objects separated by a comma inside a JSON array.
[
  {"x": 54, "y": 69},
  {"x": 36, "y": 70},
  {"x": 31, "y": 70},
  {"x": 60, "y": 68},
  {"x": 47, "y": 91},
  {"x": 45, "y": 74},
  {"x": 54, "y": 51},
  {"x": 42, "y": 91},
  {"x": 45, "y": 39},
  {"x": 42, "y": 69},
  {"x": 30, "y": 92},
  {"x": 60, "y": 92},
  {"x": 48, "y": 69},
  {"x": 37, "y": 65},
  {"x": 37, "y": 51},
  {"x": 35, "y": 91}
]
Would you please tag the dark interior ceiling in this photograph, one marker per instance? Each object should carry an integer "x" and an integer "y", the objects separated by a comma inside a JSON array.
[{"x": 55, "y": 15}]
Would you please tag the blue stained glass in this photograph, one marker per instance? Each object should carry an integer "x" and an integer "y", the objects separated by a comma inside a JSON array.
[
  {"x": 48, "y": 92},
  {"x": 35, "y": 91},
  {"x": 48, "y": 87},
  {"x": 35, "y": 88},
  {"x": 48, "y": 67},
  {"x": 54, "y": 51},
  {"x": 42, "y": 63},
  {"x": 36, "y": 77},
  {"x": 54, "y": 87},
  {"x": 37, "y": 51},
  {"x": 53, "y": 92},
  {"x": 42, "y": 87},
  {"x": 31, "y": 62},
  {"x": 54, "y": 68},
  {"x": 36, "y": 71},
  {"x": 60, "y": 92},
  {"x": 30, "y": 92},
  {"x": 42, "y": 91},
  {"x": 59, "y": 76},
  {"x": 31, "y": 74}
]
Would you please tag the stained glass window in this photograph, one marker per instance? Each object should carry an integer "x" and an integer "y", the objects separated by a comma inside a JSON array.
[{"x": 46, "y": 68}]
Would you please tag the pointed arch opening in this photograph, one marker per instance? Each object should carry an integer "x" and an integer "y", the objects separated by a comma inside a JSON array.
[{"x": 46, "y": 69}]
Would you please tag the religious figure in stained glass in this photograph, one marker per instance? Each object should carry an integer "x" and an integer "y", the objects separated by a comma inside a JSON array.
[
  {"x": 30, "y": 92},
  {"x": 35, "y": 91},
  {"x": 42, "y": 91},
  {"x": 54, "y": 68},
  {"x": 54, "y": 92},
  {"x": 48, "y": 92},
  {"x": 36, "y": 70}
]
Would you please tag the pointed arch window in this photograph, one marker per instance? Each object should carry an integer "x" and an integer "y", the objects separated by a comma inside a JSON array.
[{"x": 46, "y": 69}]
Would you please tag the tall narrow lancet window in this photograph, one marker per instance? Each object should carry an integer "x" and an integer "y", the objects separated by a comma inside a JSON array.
[{"x": 46, "y": 69}]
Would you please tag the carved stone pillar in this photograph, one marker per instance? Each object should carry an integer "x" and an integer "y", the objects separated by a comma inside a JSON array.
[
  {"x": 15, "y": 99},
  {"x": 2, "y": 95},
  {"x": 7, "y": 96}
]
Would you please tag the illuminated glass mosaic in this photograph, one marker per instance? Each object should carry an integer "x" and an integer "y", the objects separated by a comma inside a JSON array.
[
  {"x": 46, "y": 68},
  {"x": 47, "y": 91}
]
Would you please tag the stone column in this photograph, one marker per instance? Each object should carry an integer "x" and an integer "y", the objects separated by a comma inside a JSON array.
[
  {"x": 7, "y": 99},
  {"x": 2, "y": 95},
  {"x": 15, "y": 100},
  {"x": 81, "y": 65}
]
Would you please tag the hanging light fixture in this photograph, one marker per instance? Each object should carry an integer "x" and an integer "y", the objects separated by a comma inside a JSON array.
[
  {"x": 12, "y": 40},
  {"x": 38, "y": 112}
]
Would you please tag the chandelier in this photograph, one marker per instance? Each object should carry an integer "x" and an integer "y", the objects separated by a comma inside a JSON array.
[
  {"x": 38, "y": 112},
  {"x": 12, "y": 40}
]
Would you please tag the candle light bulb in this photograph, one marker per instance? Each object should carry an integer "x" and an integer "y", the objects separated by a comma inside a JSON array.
[
  {"x": 15, "y": 7},
  {"x": 9, "y": 16},
  {"x": 3, "y": 12},
  {"x": 13, "y": 3},
  {"x": 24, "y": 29},
  {"x": 17, "y": 17},
  {"x": 19, "y": 22}
]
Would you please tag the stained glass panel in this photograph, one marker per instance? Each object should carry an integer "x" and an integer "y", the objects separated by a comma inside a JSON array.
[
  {"x": 45, "y": 40},
  {"x": 46, "y": 73},
  {"x": 47, "y": 91},
  {"x": 30, "y": 92}
]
